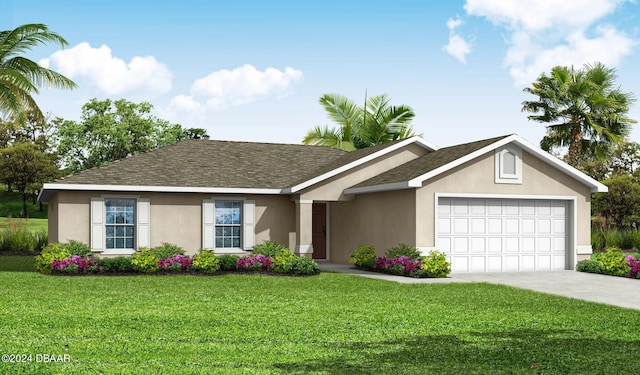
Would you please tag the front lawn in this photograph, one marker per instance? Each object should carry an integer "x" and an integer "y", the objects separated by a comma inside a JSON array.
[
  {"x": 17, "y": 263},
  {"x": 331, "y": 324}
]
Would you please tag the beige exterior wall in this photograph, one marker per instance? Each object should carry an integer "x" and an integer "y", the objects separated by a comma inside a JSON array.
[
  {"x": 380, "y": 219},
  {"x": 331, "y": 189},
  {"x": 175, "y": 218},
  {"x": 477, "y": 177}
]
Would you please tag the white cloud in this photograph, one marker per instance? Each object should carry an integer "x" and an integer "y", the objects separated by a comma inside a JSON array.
[
  {"x": 184, "y": 103},
  {"x": 457, "y": 47},
  {"x": 110, "y": 74},
  {"x": 545, "y": 33},
  {"x": 241, "y": 85}
]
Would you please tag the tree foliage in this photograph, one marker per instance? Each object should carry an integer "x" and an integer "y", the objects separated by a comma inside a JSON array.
[
  {"x": 375, "y": 122},
  {"x": 623, "y": 160},
  {"x": 585, "y": 109},
  {"x": 26, "y": 166},
  {"x": 620, "y": 207},
  {"x": 111, "y": 130},
  {"x": 20, "y": 77}
]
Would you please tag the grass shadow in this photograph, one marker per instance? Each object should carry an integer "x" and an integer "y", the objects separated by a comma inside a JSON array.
[
  {"x": 16, "y": 263},
  {"x": 509, "y": 352}
]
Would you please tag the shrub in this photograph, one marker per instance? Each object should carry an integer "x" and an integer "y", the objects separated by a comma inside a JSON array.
[
  {"x": 205, "y": 261},
  {"x": 613, "y": 262},
  {"x": 269, "y": 248},
  {"x": 364, "y": 257},
  {"x": 281, "y": 258},
  {"x": 117, "y": 264},
  {"x": 51, "y": 252},
  {"x": 228, "y": 262},
  {"x": 436, "y": 264},
  {"x": 300, "y": 266},
  {"x": 78, "y": 248},
  {"x": 590, "y": 266},
  {"x": 404, "y": 250},
  {"x": 597, "y": 240},
  {"x": 16, "y": 237},
  {"x": 167, "y": 250},
  {"x": 145, "y": 260},
  {"x": 259, "y": 262},
  {"x": 175, "y": 263}
]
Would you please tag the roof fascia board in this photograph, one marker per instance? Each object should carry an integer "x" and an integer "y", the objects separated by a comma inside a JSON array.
[
  {"x": 377, "y": 188},
  {"x": 162, "y": 189},
  {"x": 596, "y": 187},
  {"x": 355, "y": 163}
]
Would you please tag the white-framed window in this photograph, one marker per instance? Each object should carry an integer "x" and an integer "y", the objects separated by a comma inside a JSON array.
[
  {"x": 508, "y": 165},
  {"x": 119, "y": 224},
  {"x": 228, "y": 224}
]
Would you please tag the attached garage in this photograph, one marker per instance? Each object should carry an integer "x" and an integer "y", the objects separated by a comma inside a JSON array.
[{"x": 496, "y": 235}]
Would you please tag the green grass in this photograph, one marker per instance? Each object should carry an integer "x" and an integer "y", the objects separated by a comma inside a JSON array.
[
  {"x": 11, "y": 205},
  {"x": 33, "y": 225},
  {"x": 17, "y": 263},
  {"x": 329, "y": 324}
]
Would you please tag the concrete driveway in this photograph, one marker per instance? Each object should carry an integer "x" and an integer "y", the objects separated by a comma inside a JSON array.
[{"x": 617, "y": 291}]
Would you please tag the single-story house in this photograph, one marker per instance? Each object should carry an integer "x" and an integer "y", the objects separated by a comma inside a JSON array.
[{"x": 499, "y": 204}]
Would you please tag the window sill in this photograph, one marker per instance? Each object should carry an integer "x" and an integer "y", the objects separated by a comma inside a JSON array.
[{"x": 123, "y": 252}]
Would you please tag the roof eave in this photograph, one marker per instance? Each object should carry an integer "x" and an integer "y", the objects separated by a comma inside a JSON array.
[
  {"x": 415, "y": 139},
  {"x": 48, "y": 190},
  {"x": 595, "y": 186}
]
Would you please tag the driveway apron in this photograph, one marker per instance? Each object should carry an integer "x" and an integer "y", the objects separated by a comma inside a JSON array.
[{"x": 617, "y": 291}]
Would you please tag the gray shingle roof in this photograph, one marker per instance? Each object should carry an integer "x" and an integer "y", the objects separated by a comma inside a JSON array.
[
  {"x": 208, "y": 163},
  {"x": 427, "y": 163}
]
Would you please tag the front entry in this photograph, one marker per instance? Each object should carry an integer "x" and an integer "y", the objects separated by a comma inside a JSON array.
[{"x": 319, "y": 230}]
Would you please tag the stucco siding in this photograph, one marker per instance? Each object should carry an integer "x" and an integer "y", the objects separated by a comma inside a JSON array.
[
  {"x": 380, "y": 219},
  {"x": 331, "y": 190},
  {"x": 174, "y": 218},
  {"x": 477, "y": 177},
  {"x": 52, "y": 222}
]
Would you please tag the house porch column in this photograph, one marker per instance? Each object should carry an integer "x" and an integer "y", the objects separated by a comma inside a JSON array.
[{"x": 304, "y": 246}]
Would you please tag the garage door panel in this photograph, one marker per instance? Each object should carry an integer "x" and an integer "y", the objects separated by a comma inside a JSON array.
[
  {"x": 477, "y": 264},
  {"x": 544, "y": 262},
  {"x": 461, "y": 226},
  {"x": 478, "y": 245},
  {"x": 478, "y": 225},
  {"x": 492, "y": 235}
]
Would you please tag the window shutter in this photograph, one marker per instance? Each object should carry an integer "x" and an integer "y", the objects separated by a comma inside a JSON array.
[
  {"x": 248, "y": 230},
  {"x": 143, "y": 218},
  {"x": 97, "y": 223},
  {"x": 208, "y": 223}
]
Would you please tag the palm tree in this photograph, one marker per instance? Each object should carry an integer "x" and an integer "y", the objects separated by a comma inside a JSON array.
[
  {"x": 21, "y": 77},
  {"x": 374, "y": 123},
  {"x": 587, "y": 111}
]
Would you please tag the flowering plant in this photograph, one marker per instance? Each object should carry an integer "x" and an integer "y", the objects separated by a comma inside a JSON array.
[
  {"x": 75, "y": 264},
  {"x": 258, "y": 262},
  {"x": 634, "y": 266},
  {"x": 401, "y": 265},
  {"x": 177, "y": 262}
]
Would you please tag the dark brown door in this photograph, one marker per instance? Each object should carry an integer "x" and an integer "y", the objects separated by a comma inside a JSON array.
[{"x": 319, "y": 224}]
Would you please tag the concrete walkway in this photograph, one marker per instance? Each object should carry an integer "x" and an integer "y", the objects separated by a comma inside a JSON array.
[{"x": 617, "y": 291}]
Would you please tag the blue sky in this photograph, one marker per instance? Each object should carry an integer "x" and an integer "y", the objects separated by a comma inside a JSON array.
[{"x": 254, "y": 70}]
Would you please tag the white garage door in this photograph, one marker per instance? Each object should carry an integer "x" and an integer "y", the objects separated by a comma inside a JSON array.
[{"x": 495, "y": 235}]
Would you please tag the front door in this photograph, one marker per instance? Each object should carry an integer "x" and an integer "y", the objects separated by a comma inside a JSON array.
[{"x": 319, "y": 234}]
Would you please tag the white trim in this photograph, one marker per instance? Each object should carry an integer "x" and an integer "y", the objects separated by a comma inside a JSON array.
[
  {"x": 572, "y": 238},
  {"x": 118, "y": 251},
  {"x": 377, "y": 188},
  {"x": 584, "y": 250},
  {"x": 47, "y": 189},
  {"x": 304, "y": 249},
  {"x": 417, "y": 140},
  {"x": 508, "y": 178},
  {"x": 596, "y": 187}
]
